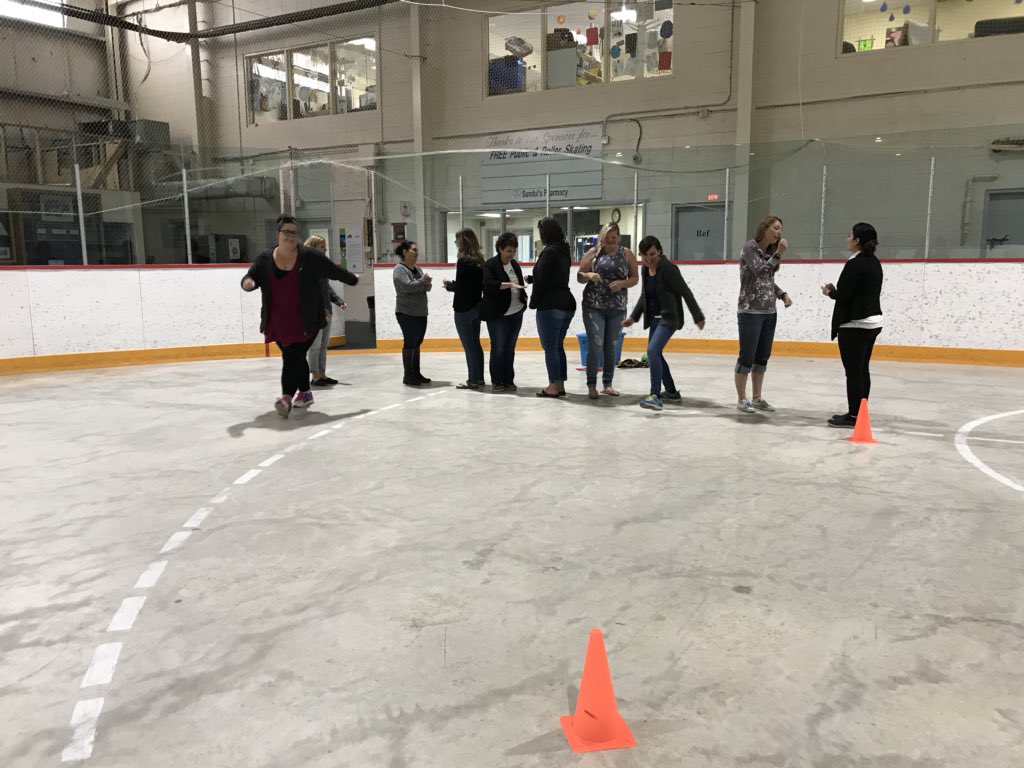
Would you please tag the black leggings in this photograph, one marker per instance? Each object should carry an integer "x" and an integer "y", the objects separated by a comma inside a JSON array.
[
  {"x": 855, "y": 346},
  {"x": 414, "y": 328},
  {"x": 294, "y": 368}
]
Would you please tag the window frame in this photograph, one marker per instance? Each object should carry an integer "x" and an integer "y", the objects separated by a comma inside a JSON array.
[
  {"x": 287, "y": 53},
  {"x": 542, "y": 49}
]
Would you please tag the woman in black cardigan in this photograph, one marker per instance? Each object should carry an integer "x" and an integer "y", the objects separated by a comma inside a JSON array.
[
  {"x": 554, "y": 303},
  {"x": 662, "y": 293},
  {"x": 467, "y": 286},
  {"x": 290, "y": 277},
  {"x": 857, "y": 317},
  {"x": 502, "y": 308}
]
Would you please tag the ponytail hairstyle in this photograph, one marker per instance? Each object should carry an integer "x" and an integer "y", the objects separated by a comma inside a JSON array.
[
  {"x": 469, "y": 247},
  {"x": 402, "y": 247},
  {"x": 866, "y": 236}
]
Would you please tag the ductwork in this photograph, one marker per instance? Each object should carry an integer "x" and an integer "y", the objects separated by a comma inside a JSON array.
[{"x": 106, "y": 20}]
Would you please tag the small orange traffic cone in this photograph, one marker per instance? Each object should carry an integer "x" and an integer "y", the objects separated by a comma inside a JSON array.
[
  {"x": 597, "y": 723},
  {"x": 862, "y": 430}
]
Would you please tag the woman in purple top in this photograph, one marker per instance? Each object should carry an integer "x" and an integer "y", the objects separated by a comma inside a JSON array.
[{"x": 289, "y": 277}]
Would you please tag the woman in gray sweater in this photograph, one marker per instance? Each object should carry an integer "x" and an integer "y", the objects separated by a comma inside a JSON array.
[
  {"x": 759, "y": 261},
  {"x": 411, "y": 288}
]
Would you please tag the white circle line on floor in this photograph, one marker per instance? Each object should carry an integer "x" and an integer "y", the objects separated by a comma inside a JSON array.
[
  {"x": 965, "y": 450},
  {"x": 86, "y": 714}
]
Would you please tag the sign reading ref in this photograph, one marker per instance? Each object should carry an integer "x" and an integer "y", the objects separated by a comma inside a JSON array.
[{"x": 513, "y": 171}]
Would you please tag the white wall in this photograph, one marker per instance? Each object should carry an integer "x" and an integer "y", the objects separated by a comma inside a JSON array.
[
  {"x": 54, "y": 312},
  {"x": 963, "y": 305}
]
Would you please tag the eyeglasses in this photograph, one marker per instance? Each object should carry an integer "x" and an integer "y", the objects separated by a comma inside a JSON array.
[{"x": 289, "y": 232}]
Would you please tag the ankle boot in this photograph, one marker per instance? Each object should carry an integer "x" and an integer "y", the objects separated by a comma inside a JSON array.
[
  {"x": 409, "y": 378},
  {"x": 420, "y": 378}
]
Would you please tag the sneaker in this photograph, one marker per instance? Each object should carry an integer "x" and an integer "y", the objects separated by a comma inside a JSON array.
[
  {"x": 498, "y": 388},
  {"x": 761, "y": 404},
  {"x": 671, "y": 397},
  {"x": 283, "y": 406},
  {"x": 511, "y": 387},
  {"x": 303, "y": 399},
  {"x": 744, "y": 406},
  {"x": 843, "y": 421},
  {"x": 652, "y": 402}
]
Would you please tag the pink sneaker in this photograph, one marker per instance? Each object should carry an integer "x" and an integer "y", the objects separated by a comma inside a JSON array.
[
  {"x": 303, "y": 399},
  {"x": 283, "y": 406}
]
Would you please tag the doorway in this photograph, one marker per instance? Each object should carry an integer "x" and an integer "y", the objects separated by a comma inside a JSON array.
[
  {"x": 698, "y": 232},
  {"x": 1002, "y": 231}
]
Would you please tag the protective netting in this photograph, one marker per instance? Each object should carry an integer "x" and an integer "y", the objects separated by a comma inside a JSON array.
[{"x": 157, "y": 133}]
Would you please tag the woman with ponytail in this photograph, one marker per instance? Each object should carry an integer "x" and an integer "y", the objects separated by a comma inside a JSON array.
[{"x": 857, "y": 317}]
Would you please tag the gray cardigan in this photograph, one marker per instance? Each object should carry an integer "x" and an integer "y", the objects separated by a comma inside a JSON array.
[{"x": 410, "y": 291}]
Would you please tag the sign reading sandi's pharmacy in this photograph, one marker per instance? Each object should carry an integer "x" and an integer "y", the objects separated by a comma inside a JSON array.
[{"x": 515, "y": 166}]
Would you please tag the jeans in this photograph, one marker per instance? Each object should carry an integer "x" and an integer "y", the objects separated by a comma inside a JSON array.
[
  {"x": 317, "y": 355},
  {"x": 855, "y": 346},
  {"x": 552, "y": 325},
  {"x": 603, "y": 327},
  {"x": 757, "y": 332},
  {"x": 294, "y": 368},
  {"x": 414, "y": 328},
  {"x": 468, "y": 325},
  {"x": 504, "y": 333},
  {"x": 656, "y": 340}
]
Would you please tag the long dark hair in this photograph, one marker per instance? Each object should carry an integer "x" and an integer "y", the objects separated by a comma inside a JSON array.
[
  {"x": 550, "y": 231},
  {"x": 867, "y": 236},
  {"x": 647, "y": 242}
]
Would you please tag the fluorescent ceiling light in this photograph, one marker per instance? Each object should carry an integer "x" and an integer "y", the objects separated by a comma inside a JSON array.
[
  {"x": 490, "y": 215},
  {"x": 515, "y": 210},
  {"x": 581, "y": 207}
]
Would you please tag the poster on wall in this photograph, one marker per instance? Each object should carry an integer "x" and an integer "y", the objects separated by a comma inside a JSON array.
[
  {"x": 234, "y": 249},
  {"x": 356, "y": 262},
  {"x": 6, "y": 252},
  {"x": 515, "y": 169},
  {"x": 342, "y": 248}
]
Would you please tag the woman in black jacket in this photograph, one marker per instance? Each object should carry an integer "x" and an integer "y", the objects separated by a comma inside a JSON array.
[
  {"x": 554, "y": 303},
  {"x": 467, "y": 287},
  {"x": 502, "y": 308},
  {"x": 662, "y": 293},
  {"x": 289, "y": 277},
  {"x": 857, "y": 317}
]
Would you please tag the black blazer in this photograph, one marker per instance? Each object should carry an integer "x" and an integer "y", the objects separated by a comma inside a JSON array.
[
  {"x": 551, "y": 279},
  {"x": 313, "y": 268},
  {"x": 496, "y": 299},
  {"x": 859, "y": 291},
  {"x": 672, "y": 291},
  {"x": 467, "y": 285}
]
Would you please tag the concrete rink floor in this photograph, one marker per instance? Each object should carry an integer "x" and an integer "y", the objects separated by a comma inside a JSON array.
[{"x": 410, "y": 578}]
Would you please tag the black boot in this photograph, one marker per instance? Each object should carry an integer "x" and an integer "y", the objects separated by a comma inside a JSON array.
[
  {"x": 420, "y": 378},
  {"x": 409, "y": 377}
]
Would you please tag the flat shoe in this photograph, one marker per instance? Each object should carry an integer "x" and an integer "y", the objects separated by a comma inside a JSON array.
[
  {"x": 592, "y": 394},
  {"x": 542, "y": 393},
  {"x": 611, "y": 392}
]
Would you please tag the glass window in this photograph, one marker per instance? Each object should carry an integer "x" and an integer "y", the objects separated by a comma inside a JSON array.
[
  {"x": 16, "y": 10},
  {"x": 268, "y": 88},
  {"x": 311, "y": 82},
  {"x": 513, "y": 53},
  {"x": 873, "y": 25},
  {"x": 355, "y": 75},
  {"x": 641, "y": 40},
  {"x": 576, "y": 45},
  {"x": 960, "y": 19}
]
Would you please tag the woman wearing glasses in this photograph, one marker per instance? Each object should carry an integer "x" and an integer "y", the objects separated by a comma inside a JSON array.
[{"x": 290, "y": 278}]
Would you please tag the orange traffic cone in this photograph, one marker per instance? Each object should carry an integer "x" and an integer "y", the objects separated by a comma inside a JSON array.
[
  {"x": 597, "y": 723},
  {"x": 862, "y": 430}
]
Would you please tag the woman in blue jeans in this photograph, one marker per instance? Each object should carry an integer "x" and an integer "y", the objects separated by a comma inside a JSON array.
[
  {"x": 502, "y": 308},
  {"x": 662, "y": 293},
  {"x": 467, "y": 287},
  {"x": 608, "y": 269},
  {"x": 554, "y": 303}
]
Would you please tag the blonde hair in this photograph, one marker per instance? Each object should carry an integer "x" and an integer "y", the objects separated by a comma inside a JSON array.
[
  {"x": 469, "y": 246},
  {"x": 315, "y": 241},
  {"x": 604, "y": 232}
]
